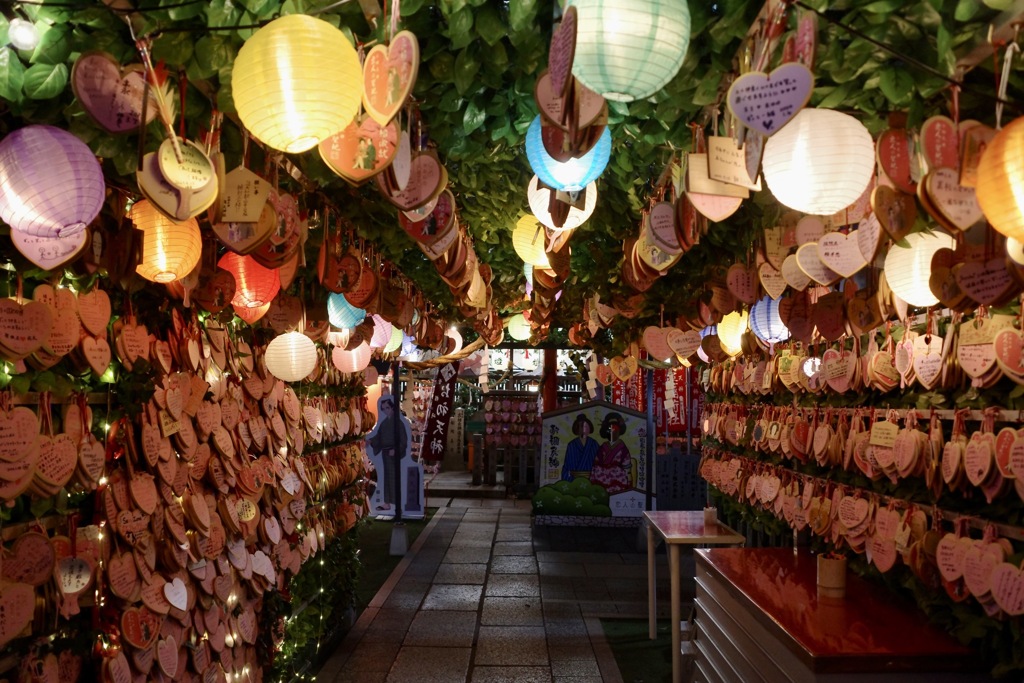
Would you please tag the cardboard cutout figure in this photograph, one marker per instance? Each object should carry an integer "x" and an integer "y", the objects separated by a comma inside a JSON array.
[{"x": 399, "y": 477}]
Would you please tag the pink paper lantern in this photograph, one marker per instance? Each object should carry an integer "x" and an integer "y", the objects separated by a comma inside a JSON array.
[
  {"x": 351, "y": 361},
  {"x": 51, "y": 184}
]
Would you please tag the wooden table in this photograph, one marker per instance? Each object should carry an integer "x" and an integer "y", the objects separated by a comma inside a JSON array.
[{"x": 685, "y": 527}]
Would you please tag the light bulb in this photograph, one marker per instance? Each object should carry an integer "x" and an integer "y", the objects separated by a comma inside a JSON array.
[{"x": 23, "y": 34}]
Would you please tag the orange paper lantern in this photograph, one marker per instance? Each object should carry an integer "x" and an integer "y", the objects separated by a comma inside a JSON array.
[
  {"x": 255, "y": 285},
  {"x": 1000, "y": 186},
  {"x": 170, "y": 250}
]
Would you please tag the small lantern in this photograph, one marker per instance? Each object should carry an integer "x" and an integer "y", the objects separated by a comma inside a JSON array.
[
  {"x": 528, "y": 241},
  {"x": 629, "y": 49},
  {"x": 295, "y": 82},
  {"x": 908, "y": 269},
  {"x": 381, "y": 332},
  {"x": 395, "y": 342},
  {"x": 572, "y": 175},
  {"x": 351, "y": 361},
  {"x": 820, "y": 162},
  {"x": 170, "y": 250},
  {"x": 1000, "y": 179},
  {"x": 290, "y": 357},
  {"x": 730, "y": 332},
  {"x": 766, "y": 323},
  {"x": 51, "y": 184},
  {"x": 343, "y": 314},
  {"x": 255, "y": 285},
  {"x": 540, "y": 198},
  {"x": 251, "y": 315},
  {"x": 518, "y": 327}
]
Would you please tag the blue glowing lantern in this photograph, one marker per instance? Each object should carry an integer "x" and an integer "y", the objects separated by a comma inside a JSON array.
[
  {"x": 766, "y": 323},
  {"x": 342, "y": 314},
  {"x": 572, "y": 175}
]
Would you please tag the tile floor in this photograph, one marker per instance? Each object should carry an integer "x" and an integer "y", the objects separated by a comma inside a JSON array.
[{"x": 484, "y": 597}]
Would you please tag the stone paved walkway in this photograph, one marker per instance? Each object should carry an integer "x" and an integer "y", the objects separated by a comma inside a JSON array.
[{"x": 484, "y": 597}]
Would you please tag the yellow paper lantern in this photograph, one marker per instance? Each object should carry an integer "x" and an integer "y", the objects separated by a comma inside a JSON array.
[
  {"x": 1000, "y": 186},
  {"x": 295, "y": 82},
  {"x": 730, "y": 332},
  {"x": 820, "y": 162},
  {"x": 518, "y": 327},
  {"x": 395, "y": 342},
  {"x": 907, "y": 269},
  {"x": 170, "y": 250},
  {"x": 291, "y": 357},
  {"x": 528, "y": 241}
]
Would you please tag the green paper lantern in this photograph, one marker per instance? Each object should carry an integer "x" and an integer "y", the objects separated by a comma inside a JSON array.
[{"x": 629, "y": 49}]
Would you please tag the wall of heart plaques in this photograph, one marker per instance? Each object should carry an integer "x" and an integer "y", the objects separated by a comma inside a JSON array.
[{"x": 214, "y": 491}]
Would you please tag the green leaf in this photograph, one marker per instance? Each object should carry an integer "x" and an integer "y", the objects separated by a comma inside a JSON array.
[
  {"x": 174, "y": 49},
  {"x": 965, "y": 9},
  {"x": 466, "y": 68},
  {"x": 54, "y": 45},
  {"x": 12, "y": 75},
  {"x": 213, "y": 53},
  {"x": 227, "y": 13},
  {"x": 489, "y": 25},
  {"x": 43, "y": 81},
  {"x": 411, "y": 7},
  {"x": 473, "y": 118},
  {"x": 897, "y": 85},
  {"x": 460, "y": 28},
  {"x": 441, "y": 67}
]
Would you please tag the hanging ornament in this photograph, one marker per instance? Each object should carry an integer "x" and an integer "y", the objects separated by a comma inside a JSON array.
[
  {"x": 561, "y": 213},
  {"x": 170, "y": 250},
  {"x": 291, "y": 357},
  {"x": 255, "y": 285},
  {"x": 572, "y": 175}
]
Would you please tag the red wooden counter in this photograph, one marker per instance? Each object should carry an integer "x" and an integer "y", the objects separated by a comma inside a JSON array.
[{"x": 759, "y": 618}]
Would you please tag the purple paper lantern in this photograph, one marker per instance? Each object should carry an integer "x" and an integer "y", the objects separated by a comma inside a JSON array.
[{"x": 51, "y": 184}]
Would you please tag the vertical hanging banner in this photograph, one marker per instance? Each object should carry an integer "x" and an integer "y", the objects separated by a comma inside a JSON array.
[{"x": 435, "y": 436}]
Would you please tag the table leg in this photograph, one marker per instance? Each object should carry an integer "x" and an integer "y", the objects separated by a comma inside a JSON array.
[
  {"x": 652, "y": 585},
  {"x": 673, "y": 572}
]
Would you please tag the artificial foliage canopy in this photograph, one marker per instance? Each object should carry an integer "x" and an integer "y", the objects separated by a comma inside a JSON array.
[{"x": 480, "y": 60}]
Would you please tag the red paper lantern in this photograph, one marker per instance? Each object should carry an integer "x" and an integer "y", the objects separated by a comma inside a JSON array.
[{"x": 255, "y": 285}]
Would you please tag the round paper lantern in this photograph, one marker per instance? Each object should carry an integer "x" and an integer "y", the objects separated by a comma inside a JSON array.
[
  {"x": 568, "y": 176},
  {"x": 382, "y": 331},
  {"x": 456, "y": 337},
  {"x": 51, "y": 184},
  {"x": 539, "y": 197},
  {"x": 766, "y": 323},
  {"x": 343, "y": 314},
  {"x": 23, "y": 34},
  {"x": 291, "y": 357},
  {"x": 528, "y": 241},
  {"x": 351, "y": 361},
  {"x": 907, "y": 269},
  {"x": 395, "y": 342},
  {"x": 730, "y": 332},
  {"x": 170, "y": 250},
  {"x": 338, "y": 337},
  {"x": 629, "y": 49},
  {"x": 820, "y": 162},
  {"x": 255, "y": 285},
  {"x": 295, "y": 82},
  {"x": 518, "y": 327},
  {"x": 1000, "y": 186}
]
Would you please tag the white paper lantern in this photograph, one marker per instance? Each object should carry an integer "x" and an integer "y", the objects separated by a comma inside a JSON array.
[
  {"x": 518, "y": 327},
  {"x": 540, "y": 196},
  {"x": 766, "y": 323},
  {"x": 629, "y": 49},
  {"x": 351, "y": 361},
  {"x": 820, "y": 162},
  {"x": 907, "y": 269},
  {"x": 291, "y": 357},
  {"x": 455, "y": 336}
]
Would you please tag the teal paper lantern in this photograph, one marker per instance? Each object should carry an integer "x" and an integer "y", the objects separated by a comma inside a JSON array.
[
  {"x": 342, "y": 314},
  {"x": 629, "y": 49},
  {"x": 568, "y": 176}
]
